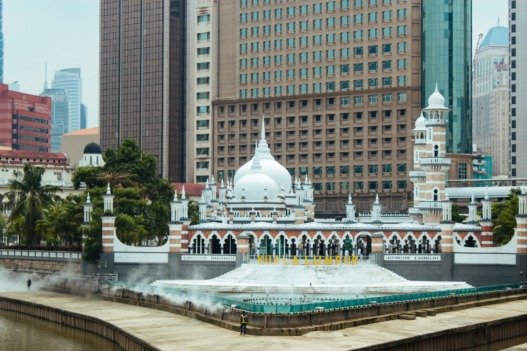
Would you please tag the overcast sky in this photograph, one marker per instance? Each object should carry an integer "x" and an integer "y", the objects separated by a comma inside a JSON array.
[{"x": 65, "y": 33}]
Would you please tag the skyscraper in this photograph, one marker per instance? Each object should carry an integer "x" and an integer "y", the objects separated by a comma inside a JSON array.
[
  {"x": 1, "y": 41},
  {"x": 447, "y": 60},
  {"x": 490, "y": 98},
  {"x": 142, "y": 79},
  {"x": 59, "y": 116},
  {"x": 339, "y": 85},
  {"x": 518, "y": 88},
  {"x": 84, "y": 116},
  {"x": 69, "y": 80}
]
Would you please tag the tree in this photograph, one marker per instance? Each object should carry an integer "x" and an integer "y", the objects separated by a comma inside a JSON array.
[
  {"x": 32, "y": 198},
  {"x": 504, "y": 218},
  {"x": 456, "y": 214}
]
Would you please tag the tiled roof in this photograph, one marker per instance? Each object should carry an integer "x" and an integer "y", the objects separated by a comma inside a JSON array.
[
  {"x": 32, "y": 155},
  {"x": 86, "y": 131},
  {"x": 191, "y": 189}
]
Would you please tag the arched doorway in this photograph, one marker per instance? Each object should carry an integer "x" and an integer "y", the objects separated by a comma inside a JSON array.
[
  {"x": 229, "y": 246},
  {"x": 266, "y": 246},
  {"x": 215, "y": 245},
  {"x": 293, "y": 247},
  {"x": 281, "y": 246},
  {"x": 394, "y": 245},
  {"x": 364, "y": 245},
  {"x": 319, "y": 246},
  {"x": 437, "y": 244},
  {"x": 198, "y": 244},
  {"x": 347, "y": 246}
]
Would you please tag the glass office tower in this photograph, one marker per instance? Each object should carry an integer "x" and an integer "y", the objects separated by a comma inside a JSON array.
[{"x": 447, "y": 61}]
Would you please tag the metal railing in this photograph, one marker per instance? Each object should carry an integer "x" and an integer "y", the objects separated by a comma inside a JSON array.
[{"x": 41, "y": 255}]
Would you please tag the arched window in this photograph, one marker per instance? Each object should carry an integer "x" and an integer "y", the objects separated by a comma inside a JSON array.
[
  {"x": 436, "y": 195},
  {"x": 436, "y": 150},
  {"x": 416, "y": 192}
]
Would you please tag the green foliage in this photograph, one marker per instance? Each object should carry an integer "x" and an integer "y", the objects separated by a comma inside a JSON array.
[
  {"x": 90, "y": 176},
  {"x": 193, "y": 212},
  {"x": 456, "y": 214},
  {"x": 32, "y": 199},
  {"x": 504, "y": 218}
]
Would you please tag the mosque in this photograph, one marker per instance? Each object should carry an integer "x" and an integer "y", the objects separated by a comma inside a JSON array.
[
  {"x": 263, "y": 212},
  {"x": 276, "y": 216}
]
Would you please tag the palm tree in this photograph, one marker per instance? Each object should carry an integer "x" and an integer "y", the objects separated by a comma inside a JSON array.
[
  {"x": 122, "y": 179},
  {"x": 31, "y": 199}
]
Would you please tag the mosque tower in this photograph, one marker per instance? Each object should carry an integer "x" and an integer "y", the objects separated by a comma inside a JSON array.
[{"x": 430, "y": 162}]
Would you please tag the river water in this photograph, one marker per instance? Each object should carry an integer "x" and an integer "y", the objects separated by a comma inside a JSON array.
[{"x": 24, "y": 333}]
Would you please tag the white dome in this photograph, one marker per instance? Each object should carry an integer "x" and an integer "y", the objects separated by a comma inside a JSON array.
[
  {"x": 256, "y": 185},
  {"x": 420, "y": 123},
  {"x": 269, "y": 166},
  {"x": 436, "y": 100}
]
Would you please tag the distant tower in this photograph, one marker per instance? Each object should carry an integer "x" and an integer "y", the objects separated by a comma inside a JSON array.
[
  {"x": 84, "y": 116},
  {"x": 69, "y": 79},
  {"x": 1, "y": 42}
]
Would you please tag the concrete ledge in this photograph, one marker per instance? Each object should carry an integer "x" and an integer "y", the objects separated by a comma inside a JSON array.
[{"x": 97, "y": 326}]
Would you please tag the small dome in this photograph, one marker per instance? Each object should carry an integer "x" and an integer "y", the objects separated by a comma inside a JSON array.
[
  {"x": 436, "y": 100},
  {"x": 420, "y": 123},
  {"x": 92, "y": 148}
]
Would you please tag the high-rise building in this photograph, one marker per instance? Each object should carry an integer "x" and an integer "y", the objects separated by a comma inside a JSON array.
[
  {"x": 25, "y": 121},
  {"x": 201, "y": 87},
  {"x": 1, "y": 41},
  {"x": 339, "y": 85},
  {"x": 84, "y": 116},
  {"x": 59, "y": 116},
  {"x": 518, "y": 88},
  {"x": 447, "y": 61},
  {"x": 490, "y": 98},
  {"x": 69, "y": 80},
  {"x": 142, "y": 79}
]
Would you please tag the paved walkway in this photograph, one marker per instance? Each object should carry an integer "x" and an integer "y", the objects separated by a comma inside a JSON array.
[{"x": 168, "y": 331}]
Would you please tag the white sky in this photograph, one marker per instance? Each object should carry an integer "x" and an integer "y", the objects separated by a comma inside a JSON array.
[{"x": 65, "y": 33}]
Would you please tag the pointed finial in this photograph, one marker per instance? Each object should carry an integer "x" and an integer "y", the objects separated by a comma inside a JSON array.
[
  {"x": 437, "y": 89},
  {"x": 486, "y": 193},
  {"x": 262, "y": 133},
  {"x": 183, "y": 193},
  {"x": 349, "y": 199},
  {"x": 108, "y": 190},
  {"x": 88, "y": 200},
  {"x": 472, "y": 199},
  {"x": 175, "y": 195},
  {"x": 222, "y": 184},
  {"x": 376, "y": 198}
]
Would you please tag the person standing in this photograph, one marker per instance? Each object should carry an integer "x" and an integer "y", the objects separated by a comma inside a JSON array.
[
  {"x": 29, "y": 284},
  {"x": 243, "y": 323}
]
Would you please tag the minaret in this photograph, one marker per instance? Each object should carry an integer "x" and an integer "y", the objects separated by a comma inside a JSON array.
[
  {"x": 184, "y": 204},
  {"x": 88, "y": 208},
  {"x": 174, "y": 210},
  {"x": 376, "y": 210},
  {"x": 350, "y": 210},
  {"x": 108, "y": 200},
  {"x": 432, "y": 166},
  {"x": 472, "y": 210}
]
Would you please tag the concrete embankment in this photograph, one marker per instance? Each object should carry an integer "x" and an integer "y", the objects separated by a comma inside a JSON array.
[{"x": 139, "y": 328}]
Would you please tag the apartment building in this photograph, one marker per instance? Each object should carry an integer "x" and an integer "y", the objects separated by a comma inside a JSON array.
[{"x": 337, "y": 84}]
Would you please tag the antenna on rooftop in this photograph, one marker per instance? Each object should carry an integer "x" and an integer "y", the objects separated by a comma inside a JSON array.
[{"x": 45, "y": 75}]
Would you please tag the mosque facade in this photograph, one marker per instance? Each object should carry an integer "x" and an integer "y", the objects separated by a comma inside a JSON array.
[{"x": 269, "y": 213}]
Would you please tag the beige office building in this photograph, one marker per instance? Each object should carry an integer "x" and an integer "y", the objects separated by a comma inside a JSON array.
[
  {"x": 339, "y": 85},
  {"x": 201, "y": 87}
]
